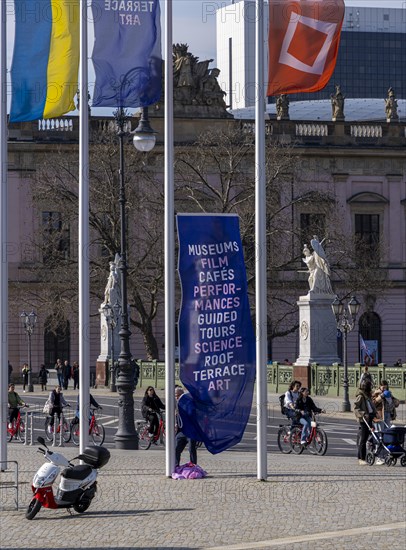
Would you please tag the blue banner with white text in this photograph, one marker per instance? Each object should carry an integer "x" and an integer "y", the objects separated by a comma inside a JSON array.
[
  {"x": 216, "y": 336},
  {"x": 127, "y": 54}
]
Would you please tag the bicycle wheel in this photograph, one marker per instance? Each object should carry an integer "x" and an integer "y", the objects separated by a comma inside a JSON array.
[
  {"x": 320, "y": 442},
  {"x": 162, "y": 436},
  {"x": 49, "y": 432},
  {"x": 294, "y": 439},
  {"x": 284, "y": 440},
  {"x": 98, "y": 434},
  {"x": 144, "y": 441},
  {"x": 9, "y": 434},
  {"x": 74, "y": 431},
  {"x": 21, "y": 432},
  {"x": 66, "y": 431}
]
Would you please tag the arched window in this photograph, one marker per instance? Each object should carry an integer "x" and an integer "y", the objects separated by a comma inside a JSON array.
[
  {"x": 370, "y": 338},
  {"x": 56, "y": 343}
]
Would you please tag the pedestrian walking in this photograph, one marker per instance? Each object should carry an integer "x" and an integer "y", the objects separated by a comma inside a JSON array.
[
  {"x": 67, "y": 373},
  {"x": 364, "y": 410},
  {"x": 75, "y": 375},
  {"x": 25, "y": 370},
  {"x": 181, "y": 439},
  {"x": 43, "y": 377},
  {"x": 59, "y": 372}
]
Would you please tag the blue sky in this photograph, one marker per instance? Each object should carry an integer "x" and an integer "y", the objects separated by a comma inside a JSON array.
[{"x": 195, "y": 24}]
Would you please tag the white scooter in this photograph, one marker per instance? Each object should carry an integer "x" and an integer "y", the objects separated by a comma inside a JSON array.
[{"x": 77, "y": 486}]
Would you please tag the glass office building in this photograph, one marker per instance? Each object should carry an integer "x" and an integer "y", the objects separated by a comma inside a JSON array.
[
  {"x": 372, "y": 54},
  {"x": 367, "y": 64}
]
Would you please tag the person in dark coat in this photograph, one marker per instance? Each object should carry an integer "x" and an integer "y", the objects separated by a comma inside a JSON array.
[
  {"x": 305, "y": 406},
  {"x": 150, "y": 407},
  {"x": 57, "y": 402},
  {"x": 67, "y": 373},
  {"x": 364, "y": 408},
  {"x": 43, "y": 377},
  {"x": 75, "y": 375}
]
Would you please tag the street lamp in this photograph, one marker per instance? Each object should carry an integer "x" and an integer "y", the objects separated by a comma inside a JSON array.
[
  {"x": 29, "y": 320},
  {"x": 112, "y": 314},
  {"x": 345, "y": 319},
  {"x": 126, "y": 437}
]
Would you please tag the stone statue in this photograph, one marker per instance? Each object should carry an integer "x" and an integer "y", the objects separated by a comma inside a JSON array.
[
  {"x": 196, "y": 90},
  {"x": 391, "y": 106},
  {"x": 112, "y": 292},
  {"x": 337, "y": 104},
  {"x": 211, "y": 92},
  {"x": 318, "y": 266},
  {"x": 282, "y": 107},
  {"x": 78, "y": 100}
]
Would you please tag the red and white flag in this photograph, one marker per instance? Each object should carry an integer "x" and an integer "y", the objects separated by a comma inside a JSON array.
[{"x": 304, "y": 36}]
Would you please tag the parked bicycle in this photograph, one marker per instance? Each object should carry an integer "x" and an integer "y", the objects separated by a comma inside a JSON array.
[
  {"x": 317, "y": 442},
  {"x": 96, "y": 430},
  {"x": 145, "y": 441},
  {"x": 49, "y": 428},
  {"x": 17, "y": 428}
]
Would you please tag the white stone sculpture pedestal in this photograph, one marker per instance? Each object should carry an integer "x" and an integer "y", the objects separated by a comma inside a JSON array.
[
  {"x": 102, "y": 363},
  {"x": 317, "y": 330}
]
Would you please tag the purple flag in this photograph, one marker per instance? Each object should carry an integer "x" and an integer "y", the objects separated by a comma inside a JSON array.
[
  {"x": 127, "y": 53},
  {"x": 217, "y": 342}
]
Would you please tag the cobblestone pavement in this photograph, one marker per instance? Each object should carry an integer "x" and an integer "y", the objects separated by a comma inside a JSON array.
[{"x": 307, "y": 502}]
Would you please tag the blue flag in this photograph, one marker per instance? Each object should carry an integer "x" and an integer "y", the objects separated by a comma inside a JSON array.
[
  {"x": 127, "y": 53},
  {"x": 217, "y": 343}
]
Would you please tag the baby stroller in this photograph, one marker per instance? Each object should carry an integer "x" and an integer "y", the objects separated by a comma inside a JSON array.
[{"x": 387, "y": 445}]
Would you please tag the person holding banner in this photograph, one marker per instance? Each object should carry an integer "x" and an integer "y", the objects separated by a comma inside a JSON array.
[{"x": 181, "y": 439}]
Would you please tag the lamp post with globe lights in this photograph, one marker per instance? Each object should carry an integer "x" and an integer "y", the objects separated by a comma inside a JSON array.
[
  {"x": 144, "y": 140},
  {"x": 345, "y": 316}
]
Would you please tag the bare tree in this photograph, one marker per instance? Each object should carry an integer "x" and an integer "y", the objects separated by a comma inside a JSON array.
[
  {"x": 56, "y": 191},
  {"x": 216, "y": 174}
]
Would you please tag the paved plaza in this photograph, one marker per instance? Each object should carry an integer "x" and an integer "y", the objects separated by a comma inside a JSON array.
[{"x": 308, "y": 502}]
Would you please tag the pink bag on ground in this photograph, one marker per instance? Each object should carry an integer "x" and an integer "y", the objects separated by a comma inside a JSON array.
[{"x": 189, "y": 471}]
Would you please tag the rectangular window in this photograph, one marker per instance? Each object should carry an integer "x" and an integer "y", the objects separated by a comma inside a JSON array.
[
  {"x": 312, "y": 224},
  {"x": 367, "y": 234},
  {"x": 56, "y": 237}
]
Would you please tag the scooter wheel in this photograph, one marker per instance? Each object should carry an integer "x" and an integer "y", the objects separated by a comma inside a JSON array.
[
  {"x": 33, "y": 508},
  {"x": 81, "y": 507}
]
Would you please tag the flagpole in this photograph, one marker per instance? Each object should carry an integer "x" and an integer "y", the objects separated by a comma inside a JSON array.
[
  {"x": 260, "y": 247},
  {"x": 3, "y": 239},
  {"x": 169, "y": 250},
  {"x": 84, "y": 292}
]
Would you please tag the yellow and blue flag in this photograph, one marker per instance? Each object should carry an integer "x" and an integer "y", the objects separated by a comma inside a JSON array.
[{"x": 45, "y": 66}]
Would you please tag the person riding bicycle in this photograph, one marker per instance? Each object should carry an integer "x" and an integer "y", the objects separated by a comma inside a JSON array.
[
  {"x": 57, "y": 402},
  {"x": 290, "y": 399},
  {"x": 93, "y": 403},
  {"x": 305, "y": 406},
  {"x": 150, "y": 407},
  {"x": 14, "y": 404}
]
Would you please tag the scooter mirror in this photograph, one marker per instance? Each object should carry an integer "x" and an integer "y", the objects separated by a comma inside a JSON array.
[{"x": 41, "y": 440}]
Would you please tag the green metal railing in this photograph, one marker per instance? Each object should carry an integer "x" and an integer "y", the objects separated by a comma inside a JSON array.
[{"x": 325, "y": 381}]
